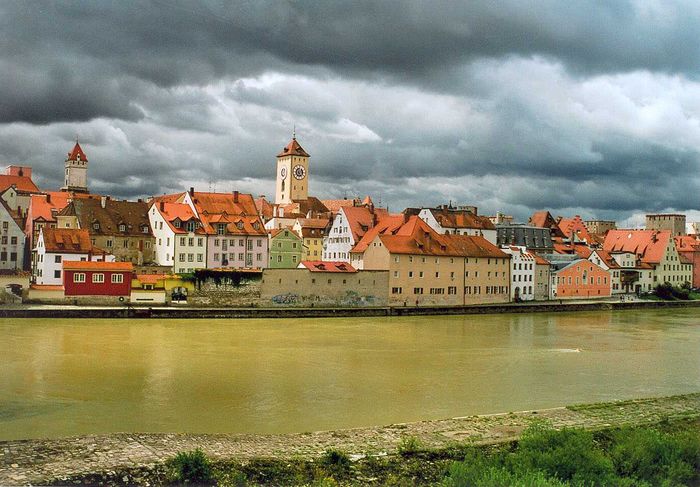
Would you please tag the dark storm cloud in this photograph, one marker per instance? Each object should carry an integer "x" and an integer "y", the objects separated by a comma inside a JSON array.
[
  {"x": 587, "y": 105},
  {"x": 86, "y": 53}
]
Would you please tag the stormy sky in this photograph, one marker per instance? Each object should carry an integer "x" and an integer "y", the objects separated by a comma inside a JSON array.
[{"x": 586, "y": 107}]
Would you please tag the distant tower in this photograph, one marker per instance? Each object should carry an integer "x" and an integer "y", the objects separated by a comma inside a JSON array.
[
  {"x": 292, "y": 173},
  {"x": 76, "y": 170}
]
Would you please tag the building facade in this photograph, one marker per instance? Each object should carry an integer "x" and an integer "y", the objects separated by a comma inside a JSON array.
[
  {"x": 522, "y": 273},
  {"x": 86, "y": 278},
  {"x": 12, "y": 239},
  {"x": 180, "y": 239},
  {"x": 580, "y": 279},
  {"x": 286, "y": 249},
  {"x": 674, "y": 223},
  {"x": 459, "y": 221},
  {"x": 76, "y": 166}
]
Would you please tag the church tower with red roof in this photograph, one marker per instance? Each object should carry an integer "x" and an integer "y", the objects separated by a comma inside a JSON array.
[
  {"x": 292, "y": 174},
  {"x": 75, "y": 178}
]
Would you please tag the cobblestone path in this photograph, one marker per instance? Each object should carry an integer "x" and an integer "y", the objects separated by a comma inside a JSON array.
[{"x": 35, "y": 462}]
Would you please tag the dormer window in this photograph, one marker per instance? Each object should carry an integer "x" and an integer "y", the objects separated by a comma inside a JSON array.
[
  {"x": 144, "y": 229},
  {"x": 122, "y": 227},
  {"x": 239, "y": 225},
  {"x": 176, "y": 223},
  {"x": 96, "y": 226},
  {"x": 191, "y": 226},
  {"x": 256, "y": 225},
  {"x": 221, "y": 229}
]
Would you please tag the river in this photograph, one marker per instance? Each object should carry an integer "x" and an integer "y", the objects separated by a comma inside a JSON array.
[{"x": 74, "y": 377}]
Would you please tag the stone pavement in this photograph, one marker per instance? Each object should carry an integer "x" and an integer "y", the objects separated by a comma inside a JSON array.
[{"x": 36, "y": 462}]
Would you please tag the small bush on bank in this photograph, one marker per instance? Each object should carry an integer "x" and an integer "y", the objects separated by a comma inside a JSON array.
[
  {"x": 669, "y": 292},
  {"x": 410, "y": 445},
  {"x": 336, "y": 464},
  {"x": 192, "y": 467},
  {"x": 647, "y": 455}
]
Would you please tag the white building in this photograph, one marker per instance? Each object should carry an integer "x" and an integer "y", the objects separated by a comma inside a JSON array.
[
  {"x": 459, "y": 221},
  {"x": 11, "y": 239},
  {"x": 181, "y": 242},
  {"x": 522, "y": 272},
  {"x": 349, "y": 226},
  {"x": 56, "y": 245}
]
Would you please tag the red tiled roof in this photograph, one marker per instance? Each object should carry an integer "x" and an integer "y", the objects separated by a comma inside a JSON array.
[
  {"x": 242, "y": 204},
  {"x": 68, "y": 241},
  {"x": 265, "y": 208},
  {"x": 22, "y": 183},
  {"x": 388, "y": 224},
  {"x": 648, "y": 245},
  {"x": 97, "y": 265},
  {"x": 539, "y": 260},
  {"x": 150, "y": 278},
  {"x": 235, "y": 225},
  {"x": 606, "y": 257},
  {"x": 359, "y": 220},
  {"x": 177, "y": 211},
  {"x": 277, "y": 231},
  {"x": 323, "y": 266},
  {"x": 687, "y": 243},
  {"x": 335, "y": 205},
  {"x": 417, "y": 238},
  {"x": 77, "y": 151},
  {"x": 293, "y": 149},
  {"x": 574, "y": 226},
  {"x": 542, "y": 219}
]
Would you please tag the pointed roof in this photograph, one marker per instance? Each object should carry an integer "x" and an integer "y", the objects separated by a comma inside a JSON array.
[
  {"x": 647, "y": 245},
  {"x": 77, "y": 151},
  {"x": 293, "y": 149}
]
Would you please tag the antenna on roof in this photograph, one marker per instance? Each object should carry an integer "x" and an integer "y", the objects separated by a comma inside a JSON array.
[{"x": 294, "y": 131}]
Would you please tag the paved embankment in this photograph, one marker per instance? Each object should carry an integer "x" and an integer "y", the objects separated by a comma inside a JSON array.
[
  {"x": 164, "y": 312},
  {"x": 51, "y": 461}
]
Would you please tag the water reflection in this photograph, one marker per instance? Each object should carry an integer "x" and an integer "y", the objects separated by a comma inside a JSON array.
[{"x": 64, "y": 377}]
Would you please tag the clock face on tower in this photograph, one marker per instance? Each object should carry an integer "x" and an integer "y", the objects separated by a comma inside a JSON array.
[
  {"x": 283, "y": 173},
  {"x": 299, "y": 171}
]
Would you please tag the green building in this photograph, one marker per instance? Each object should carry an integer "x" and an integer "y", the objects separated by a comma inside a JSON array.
[{"x": 285, "y": 249}]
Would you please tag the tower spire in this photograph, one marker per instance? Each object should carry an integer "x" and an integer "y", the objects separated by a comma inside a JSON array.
[{"x": 294, "y": 131}]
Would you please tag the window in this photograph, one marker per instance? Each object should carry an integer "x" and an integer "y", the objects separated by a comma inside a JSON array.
[
  {"x": 117, "y": 278},
  {"x": 13, "y": 240},
  {"x": 57, "y": 259},
  {"x": 79, "y": 277},
  {"x": 200, "y": 257},
  {"x": 190, "y": 242},
  {"x": 190, "y": 257},
  {"x": 98, "y": 278},
  {"x": 216, "y": 242},
  {"x": 122, "y": 227},
  {"x": 417, "y": 290},
  {"x": 191, "y": 226},
  {"x": 182, "y": 257},
  {"x": 110, "y": 243},
  {"x": 452, "y": 290},
  {"x": 96, "y": 226},
  {"x": 13, "y": 256},
  {"x": 396, "y": 290},
  {"x": 220, "y": 229},
  {"x": 57, "y": 274}
]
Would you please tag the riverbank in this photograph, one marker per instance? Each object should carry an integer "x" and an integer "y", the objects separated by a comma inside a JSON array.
[
  {"x": 61, "y": 311},
  {"x": 127, "y": 459}
]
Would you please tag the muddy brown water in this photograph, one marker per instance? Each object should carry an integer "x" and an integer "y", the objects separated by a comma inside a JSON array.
[{"x": 75, "y": 377}]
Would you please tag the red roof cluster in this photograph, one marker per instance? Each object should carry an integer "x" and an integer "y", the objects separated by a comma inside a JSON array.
[
  {"x": 648, "y": 245},
  {"x": 323, "y": 266}
]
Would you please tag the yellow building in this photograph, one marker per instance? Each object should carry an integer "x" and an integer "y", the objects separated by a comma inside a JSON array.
[
  {"x": 428, "y": 268},
  {"x": 312, "y": 231},
  {"x": 160, "y": 288}
]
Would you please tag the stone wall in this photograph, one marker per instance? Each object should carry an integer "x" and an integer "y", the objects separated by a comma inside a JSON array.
[
  {"x": 301, "y": 287},
  {"x": 225, "y": 294}
]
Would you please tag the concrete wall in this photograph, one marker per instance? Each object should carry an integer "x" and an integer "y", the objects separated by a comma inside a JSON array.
[{"x": 301, "y": 287}]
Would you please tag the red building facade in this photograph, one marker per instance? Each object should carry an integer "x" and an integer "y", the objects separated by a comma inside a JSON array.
[
  {"x": 97, "y": 278},
  {"x": 582, "y": 279}
]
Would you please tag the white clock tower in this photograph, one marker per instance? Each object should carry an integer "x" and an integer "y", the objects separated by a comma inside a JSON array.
[{"x": 292, "y": 174}]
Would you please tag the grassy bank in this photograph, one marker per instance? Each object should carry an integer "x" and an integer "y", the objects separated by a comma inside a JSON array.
[{"x": 667, "y": 454}]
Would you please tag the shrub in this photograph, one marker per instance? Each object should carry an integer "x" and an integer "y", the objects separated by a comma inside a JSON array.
[
  {"x": 192, "y": 467},
  {"x": 410, "y": 445},
  {"x": 659, "y": 459},
  {"x": 336, "y": 463},
  {"x": 568, "y": 454}
]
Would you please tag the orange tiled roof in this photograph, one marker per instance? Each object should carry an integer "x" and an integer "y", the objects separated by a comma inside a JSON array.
[
  {"x": 607, "y": 258},
  {"x": 150, "y": 278},
  {"x": 388, "y": 224},
  {"x": 417, "y": 238},
  {"x": 539, "y": 260},
  {"x": 687, "y": 243},
  {"x": 233, "y": 204},
  {"x": 22, "y": 183},
  {"x": 574, "y": 226},
  {"x": 542, "y": 219},
  {"x": 647, "y": 245},
  {"x": 334, "y": 206},
  {"x": 293, "y": 149},
  {"x": 360, "y": 219},
  {"x": 323, "y": 266},
  {"x": 68, "y": 241},
  {"x": 172, "y": 212},
  {"x": 235, "y": 225},
  {"x": 79, "y": 265},
  {"x": 265, "y": 208}
]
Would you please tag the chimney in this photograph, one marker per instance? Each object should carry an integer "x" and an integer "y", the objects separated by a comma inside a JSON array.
[
  {"x": 48, "y": 198},
  {"x": 235, "y": 196},
  {"x": 161, "y": 206},
  {"x": 103, "y": 201},
  {"x": 191, "y": 191},
  {"x": 138, "y": 200}
]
